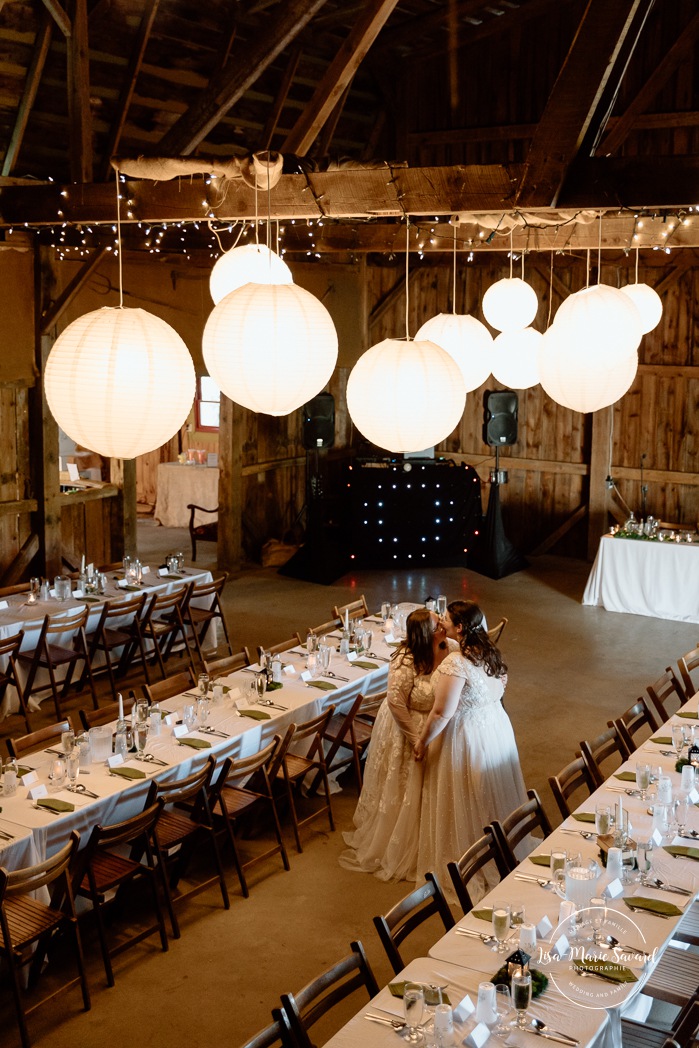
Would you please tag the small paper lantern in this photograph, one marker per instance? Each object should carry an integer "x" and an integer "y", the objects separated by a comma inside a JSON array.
[
  {"x": 600, "y": 323},
  {"x": 510, "y": 304},
  {"x": 578, "y": 382},
  {"x": 516, "y": 358},
  {"x": 270, "y": 347},
  {"x": 647, "y": 302},
  {"x": 465, "y": 339},
  {"x": 119, "y": 381},
  {"x": 250, "y": 263},
  {"x": 405, "y": 396}
]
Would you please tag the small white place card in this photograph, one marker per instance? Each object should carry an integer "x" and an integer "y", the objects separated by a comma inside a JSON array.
[
  {"x": 145, "y": 569},
  {"x": 693, "y": 796},
  {"x": 290, "y": 670},
  {"x": 122, "y": 583},
  {"x": 170, "y": 719},
  {"x": 163, "y": 572},
  {"x": 351, "y": 656},
  {"x": 657, "y": 837},
  {"x": 306, "y": 675},
  {"x": 73, "y": 471},
  {"x": 389, "y": 638},
  {"x": 463, "y": 1009},
  {"x": 29, "y": 779},
  {"x": 3, "y": 605},
  {"x": 77, "y": 593},
  {"x": 38, "y": 791},
  {"x": 179, "y": 730},
  {"x": 478, "y": 1036},
  {"x": 544, "y": 927},
  {"x": 115, "y": 760},
  {"x": 614, "y": 889},
  {"x": 234, "y": 694},
  {"x": 561, "y": 946},
  {"x": 240, "y": 704}
]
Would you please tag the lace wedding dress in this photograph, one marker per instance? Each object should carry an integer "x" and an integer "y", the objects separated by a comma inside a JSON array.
[{"x": 472, "y": 773}]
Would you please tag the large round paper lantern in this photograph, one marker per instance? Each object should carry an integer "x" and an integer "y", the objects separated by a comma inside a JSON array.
[
  {"x": 600, "y": 323},
  {"x": 405, "y": 396},
  {"x": 516, "y": 358},
  {"x": 578, "y": 382},
  {"x": 510, "y": 304},
  {"x": 647, "y": 302},
  {"x": 250, "y": 263},
  {"x": 270, "y": 347},
  {"x": 465, "y": 339},
  {"x": 119, "y": 381}
]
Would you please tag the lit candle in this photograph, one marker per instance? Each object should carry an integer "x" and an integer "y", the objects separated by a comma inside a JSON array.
[{"x": 121, "y": 707}]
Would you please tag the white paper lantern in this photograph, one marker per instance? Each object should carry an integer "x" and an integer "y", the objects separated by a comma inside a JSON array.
[
  {"x": 119, "y": 381},
  {"x": 270, "y": 347},
  {"x": 578, "y": 382},
  {"x": 250, "y": 263},
  {"x": 599, "y": 323},
  {"x": 516, "y": 358},
  {"x": 405, "y": 396},
  {"x": 465, "y": 339},
  {"x": 510, "y": 304},
  {"x": 647, "y": 302}
]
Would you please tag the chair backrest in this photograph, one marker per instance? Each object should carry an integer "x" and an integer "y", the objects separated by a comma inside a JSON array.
[
  {"x": 235, "y": 768},
  {"x": 131, "y": 607},
  {"x": 596, "y": 751},
  {"x": 305, "y": 1008},
  {"x": 188, "y": 789},
  {"x": 231, "y": 663},
  {"x": 632, "y": 721},
  {"x": 283, "y": 645},
  {"x": 686, "y": 1026},
  {"x": 496, "y": 632},
  {"x": 371, "y": 706},
  {"x": 511, "y": 830},
  {"x": 278, "y": 1032},
  {"x": 315, "y": 729},
  {"x": 32, "y": 878},
  {"x": 575, "y": 776},
  {"x": 70, "y": 623},
  {"x": 686, "y": 664},
  {"x": 403, "y": 918},
  {"x": 95, "y": 718},
  {"x": 357, "y": 609},
  {"x": 175, "y": 685},
  {"x": 666, "y": 695},
  {"x": 118, "y": 833},
  {"x": 209, "y": 589},
  {"x": 482, "y": 852},
  {"x": 165, "y": 603},
  {"x": 325, "y": 627},
  {"x": 38, "y": 740},
  {"x": 10, "y": 646}
]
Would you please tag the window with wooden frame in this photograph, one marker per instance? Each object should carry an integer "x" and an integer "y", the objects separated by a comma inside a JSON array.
[{"x": 207, "y": 404}]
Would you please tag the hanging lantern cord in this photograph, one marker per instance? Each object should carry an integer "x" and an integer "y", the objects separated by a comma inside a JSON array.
[
  {"x": 407, "y": 256},
  {"x": 599, "y": 251},
  {"x": 453, "y": 289},
  {"x": 511, "y": 230},
  {"x": 118, "y": 213},
  {"x": 637, "y": 251}
]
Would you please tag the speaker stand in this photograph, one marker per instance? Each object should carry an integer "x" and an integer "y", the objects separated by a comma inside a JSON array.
[
  {"x": 322, "y": 558},
  {"x": 496, "y": 556}
]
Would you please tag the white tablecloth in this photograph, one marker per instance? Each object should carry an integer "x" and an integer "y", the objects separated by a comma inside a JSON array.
[
  {"x": 179, "y": 485},
  {"x": 660, "y": 579}
]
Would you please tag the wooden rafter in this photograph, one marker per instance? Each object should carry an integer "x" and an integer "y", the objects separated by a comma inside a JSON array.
[
  {"x": 226, "y": 88},
  {"x": 31, "y": 86},
  {"x": 328, "y": 130},
  {"x": 280, "y": 99},
  {"x": 477, "y": 34},
  {"x": 574, "y": 100},
  {"x": 338, "y": 75},
  {"x": 59, "y": 16},
  {"x": 79, "y": 112}
]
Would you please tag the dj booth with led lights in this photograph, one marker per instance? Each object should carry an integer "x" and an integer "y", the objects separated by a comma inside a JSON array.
[{"x": 417, "y": 512}]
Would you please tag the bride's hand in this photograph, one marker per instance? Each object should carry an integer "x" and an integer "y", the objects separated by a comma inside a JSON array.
[{"x": 419, "y": 750}]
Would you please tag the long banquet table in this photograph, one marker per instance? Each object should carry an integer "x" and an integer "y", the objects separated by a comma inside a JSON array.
[
  {"x": 587, "y": 1009},
  {"x": 641, "y": 577}
]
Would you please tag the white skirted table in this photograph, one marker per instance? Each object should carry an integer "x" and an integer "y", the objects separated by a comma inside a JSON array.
[{"x": 179, "y": 485}]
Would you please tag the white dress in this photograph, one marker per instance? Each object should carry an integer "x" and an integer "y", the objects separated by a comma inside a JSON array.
[
  {"x": 385, "y": 841},
  {"x": 472, "y": 773}
]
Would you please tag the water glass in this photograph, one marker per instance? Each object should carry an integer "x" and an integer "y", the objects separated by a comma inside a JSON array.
[
  {"x": 67, "y": 741},
  {"x": 661, "y": 818},
  {"x": 368, "y": 638},
  {"x": 203, "y": 710},
  {"x": 527, "y": 938},
  {"x": 678, "y": 739},
  {"x": 141, "y": 732},
  {"x": 687, "y": 783},
  {"x": 485, "y": 1007},
  {"x": 57, "y": 773},
  {"x": 189, "y": 716},
  {"x": 644, "y": 858},
  {"x": 73, "y": 767},
  {"x": 441, "y": 607},
  {"x": 503, "y": 1008},
  {"x": 643, "y": 778},
  {"x": 155, "y": 720},
  {"x": 557, "y": 865},
  {"x": 312, "y": 641},
  {"x": 413, "y": 1009},
  {"x": 521, "y": 996},
  {"x": 10, "y": 777},
  {"x": 312, "y": 663},
  {"x": 682, "y": 813},
  {"x": 603, "y": 819},
  {"x": 443, "y": 1026},
  {"x": 203, "y": 682},
  {"x": 597, "y": 917},
  {"x": 385, "y": 610},
  {"x": 180, "y": 561},
  {"x": 323, "y": 657},
  {"x": 260, "y": 684},
  {"x": 501, "y": 924}
]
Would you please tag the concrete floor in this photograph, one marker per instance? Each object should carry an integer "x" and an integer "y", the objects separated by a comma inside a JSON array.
[{"x": 570, "y": 670}]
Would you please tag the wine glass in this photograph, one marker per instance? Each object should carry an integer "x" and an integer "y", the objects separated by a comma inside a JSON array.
[
  {"x": 413, "y": 1009},
  {"x": 189, "y": 715},
  {"x": 642, "y": 778},
  {"x": 521, "y": 997},
  {"x": 597, "y": 917},
  {"x": 603, "y": 819},
  {"x": 682, "y": 813},
  {"x": 141, "y": 736},
  {"x": 678, "y": 739},
  {"x": 644, "y": 858},
  {"x": 203, "y": 709},
  {"x": 203, "y": 681},
  {"x": 261, "y": 684},
  {"x": 501, "y": 924},
  {"x": 503, "y": 1007},
  {"x": 73, "y": 767}
]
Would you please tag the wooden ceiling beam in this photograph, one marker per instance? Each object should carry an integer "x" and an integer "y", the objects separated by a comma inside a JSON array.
[
  {"x": 574, "y": 100},
  {"x": 338, "y": 76},
  {"x": 79, "y": 112},
  {"x": 42, "y": 43},
  {"x": 60, "y": 17},
  {"x": 229, "y": 85},
  {"x": 477, "y": 34}
]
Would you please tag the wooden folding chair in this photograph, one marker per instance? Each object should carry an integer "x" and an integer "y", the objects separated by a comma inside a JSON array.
[
  {"x": 96, "y": 718},
  {"x": 183, "y": 825},
  {"x": 278, "y": 1033},
  {"x": 50, "y": 656},
  {"x": 283, "y": 645},
  {"x": 162, "y": 625},
  {"x": 575, "y": 776},
  {"x": 666, "y": 695},
  {"x": 674, "y": 978},
  {"x": 106, "y": 870},
  {"x": 295, "y": 768},
  {"x": 26, "y": 921},
  {"x": 496, "y": 632},
  {"x": 344, "y": 748},
  {"x": 603, "y": 747},
  {"x": 318, "y": 997},
  {"x": 171, "y": 686},
  {"x": 418, "y": 906},
  {"x": 358, "y": 609},
  {"x": 483, "y": 852},
  {"x": 682, "y": 1033},
  {"x": 9, "y": 650},
  {"x": 38, "y": 740},
  {"x": 229, "y": 664},
  {"x": 207, "y": 532},
  {"x": 243, "y": 787},
  {"x": 110, "y": 635},
  {"x": 510, "y": 831},
  {"x": 685, "y": 665},
  {"x": 633, "y": 720},
  {"x": 198, "y": 619},
  {"x": 325, "y": 628}
]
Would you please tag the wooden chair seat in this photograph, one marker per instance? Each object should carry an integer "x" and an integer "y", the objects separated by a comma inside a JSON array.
[
  {"x": 207, "y": 532},
  {"x": 28, "y": 919}
]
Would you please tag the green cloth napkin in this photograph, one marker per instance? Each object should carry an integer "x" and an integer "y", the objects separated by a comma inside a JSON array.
[
  {"x": 686, "y": 714},
  {"x": 274, "y": 685},
  {"x": 128, "y": 773},
  {"x": 89, "y": 600},
  {"x": 324, "y": 685},
  {"x": 196, "y": 744},
  {"x": 626, "y": 776},
  {"x": 22, "y": 769},
  {"x": 613, "y": 972},
  {"x": 584, "y": 816},
  {"x": 661, "y": 740},
  {"x": 483, "y": 915},
  {"x": 172, "y": 576},
  {"x": 392, "y": 643},
  {"x": 255, "y": 714},
  {"x": 54, "y": 804},
  {"x": 132, "y": 588},
  {"x": 666, "y": 909},
  {"x": 365, "y": 665},
  {"x": 540, "y": 860},
  {"x": 431, "y": 993},
  {"x": 682, "y": 851}
]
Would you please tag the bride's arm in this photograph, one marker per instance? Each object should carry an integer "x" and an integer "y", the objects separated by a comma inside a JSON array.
[
  {"x": 447, "y": 695},
  {"x": 400, "y": 685}
]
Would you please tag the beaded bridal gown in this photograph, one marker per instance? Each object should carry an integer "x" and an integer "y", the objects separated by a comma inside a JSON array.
[{"x": 472, "y": 772}]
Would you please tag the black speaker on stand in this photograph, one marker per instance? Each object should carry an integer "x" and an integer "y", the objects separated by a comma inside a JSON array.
[{"x": 496, "y": 556}]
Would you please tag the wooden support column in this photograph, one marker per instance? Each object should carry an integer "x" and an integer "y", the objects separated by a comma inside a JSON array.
[
  {"x": 599, "y": 467},
  {"x": 122, "y": 473},
  {"x": 46, "y": 481},
  {"x": 230, "y": 486}
]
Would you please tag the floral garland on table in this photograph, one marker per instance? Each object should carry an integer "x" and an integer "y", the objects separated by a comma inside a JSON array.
[{"x": 539, "y": 980}]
